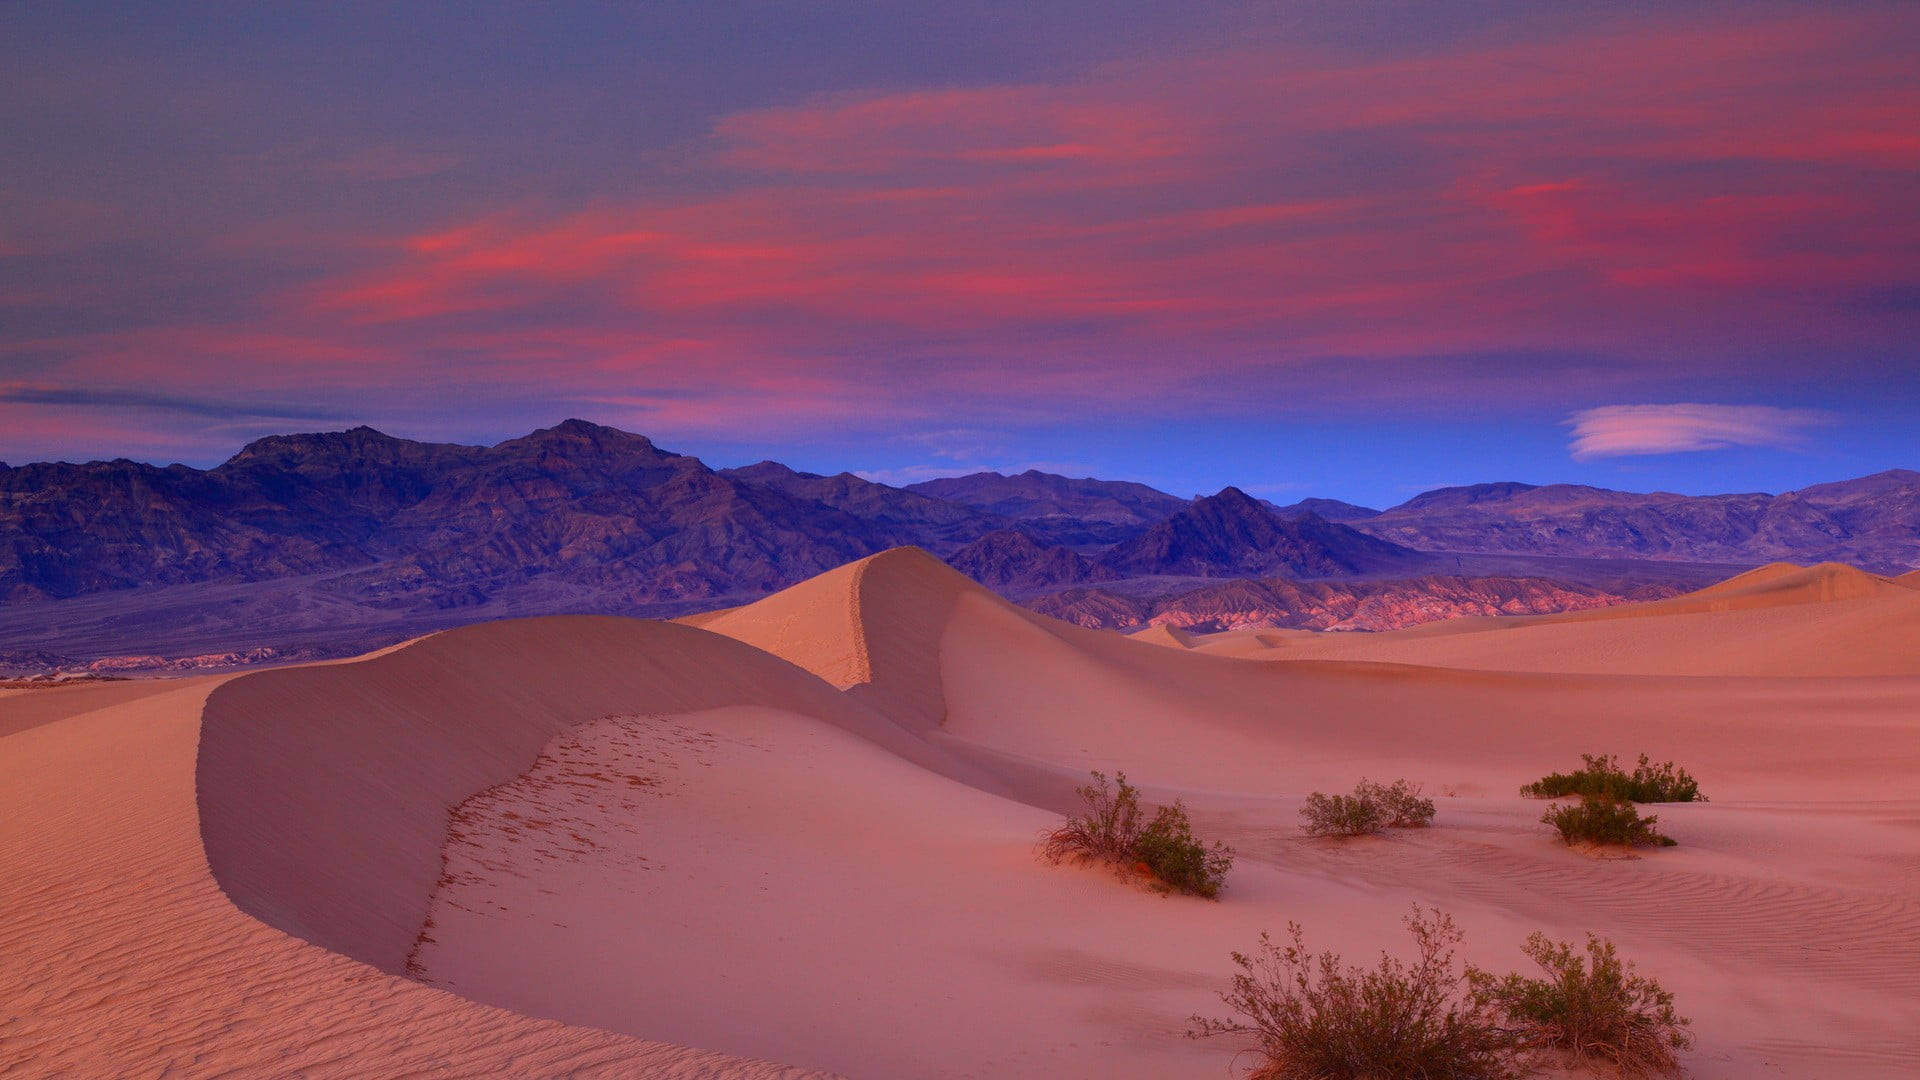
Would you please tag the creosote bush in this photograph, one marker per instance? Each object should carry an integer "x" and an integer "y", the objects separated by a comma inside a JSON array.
[
  {"x": 1114, "y": 828},
  {"x": 1595, "y": 1007},
  {"x": 1317, "y": 1019},
  {"x": 1601, "y": 820},
  {"x": 1371, "y": 808},
  {"x": 1602, "y": 776},
  {"x": 1406, "y": 807}
]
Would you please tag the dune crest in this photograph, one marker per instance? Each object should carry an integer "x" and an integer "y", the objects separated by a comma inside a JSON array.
[
  {"x": 324, "y": 791},
  {"x": 1828, "y": 620},
  {"x": 1164, "y": 634},
  {"x": 1789, "y": 583},
  {"x": 872, "y": 627}
]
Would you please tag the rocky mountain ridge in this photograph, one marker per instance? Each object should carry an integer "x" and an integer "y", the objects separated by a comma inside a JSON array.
[{"x": 336, "y": 541}]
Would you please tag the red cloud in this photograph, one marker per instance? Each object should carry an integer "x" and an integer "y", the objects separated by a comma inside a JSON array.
[{"x": 1664, "y": 186}]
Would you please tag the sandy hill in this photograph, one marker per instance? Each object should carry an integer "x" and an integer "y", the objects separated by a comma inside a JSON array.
[
  {"x": 802, "y": 832},
  {"x": 1164, "y": 634},
  {"x": 1777, "y": 620}
]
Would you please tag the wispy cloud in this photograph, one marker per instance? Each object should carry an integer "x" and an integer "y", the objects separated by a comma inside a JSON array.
[
  {"x": 106, "y": 398},
  {"x": 1621, "y": 430}
]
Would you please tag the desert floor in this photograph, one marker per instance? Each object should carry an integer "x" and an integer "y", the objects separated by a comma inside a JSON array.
[{"x": 802, "y": 832}]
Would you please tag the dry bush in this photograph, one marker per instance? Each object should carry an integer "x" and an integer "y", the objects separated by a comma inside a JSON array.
[
  {"x": 1405, "y": 807},
  {"x": 1108, "y": 828},
  {"x": 1597, "y": 1007},
  {"x": 1342, "y": 815},
  {"x": 1601, "y": 820},
  {"x": 1317, "y": 1019},
  {"x": 1371, "y": 808},
  {"x": 1113, "y": 828},
  {"x": 1182, "y": 863},
  {"x": 1601, "y": 776}
]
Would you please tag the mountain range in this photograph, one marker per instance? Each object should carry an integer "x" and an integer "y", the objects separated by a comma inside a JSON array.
[{"x": 335, "y": 541}]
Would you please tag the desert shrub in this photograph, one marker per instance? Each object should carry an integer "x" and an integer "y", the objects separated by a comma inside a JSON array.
[
  {"x": 1317, "y": 1019},
  {"x": 1602, "y": 776},
  {"x": 1405, "y": 807},
  {"x": 1114, "y": 828},
  {"x": 1371, "y": 808},
  {"x": 1108, "y": 828},
  {"x": 1595, "y": 1007},
  {"x": 1601, "y": 820},
  {"x": 1168, "y": 848},
  {"x": 1342, "y": 815}
]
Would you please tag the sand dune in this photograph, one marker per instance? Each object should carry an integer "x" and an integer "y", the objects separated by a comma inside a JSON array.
[
  {"x": 1164, "y": 634},
  {"x": 123, "y": 958},
  {"x": 802, "y": 830},
  {"x": 324, "y": 790},
  {"x": 1779, "y": 620}
]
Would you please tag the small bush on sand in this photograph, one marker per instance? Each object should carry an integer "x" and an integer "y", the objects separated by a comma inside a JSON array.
[
  {"x": 1371, "y": 808},
  {"x": 1342, "y": 815},
  {"x": 1596, "y": 1007},
  {"x": 1601, "y": 820},
  {"x": 1602, "y": 776},
  {"x": 1114, "y": 828},
  {"x": 1318, "y": 1019},
  {"x": 1406, "y": 808},
  {"x": 1169, "y": 849},
  {"x": 1107, "y": 829}
]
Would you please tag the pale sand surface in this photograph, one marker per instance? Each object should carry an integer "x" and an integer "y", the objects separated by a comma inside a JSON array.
[
  {"x": 1779, "y": 620},
  {"x": 656, "y": 830},
  {"x": 122, "y": 958}
]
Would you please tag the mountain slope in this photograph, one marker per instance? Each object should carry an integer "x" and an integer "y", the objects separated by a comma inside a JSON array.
[
  {"x": 916, "y": 517},
  {"x": 1330, "y": 509},
  {"x": 1232, "y": 534},
  {"x": 1873, "y": 521},
  {"x": 1010, "y": 561},
  {"x": 1062, "y": 509},
  {"x": 430, "y": 525}
]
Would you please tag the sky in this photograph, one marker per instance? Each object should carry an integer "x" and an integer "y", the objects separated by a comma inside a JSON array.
[{"x": 1354, "y": 249}]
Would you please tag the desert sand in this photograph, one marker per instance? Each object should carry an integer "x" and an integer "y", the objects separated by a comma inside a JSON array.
[
  {"x": 1778, "y": 620},
  {"x": 801, "y": 831}
]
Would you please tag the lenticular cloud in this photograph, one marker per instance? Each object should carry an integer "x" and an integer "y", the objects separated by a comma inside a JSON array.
[{"x": 1619, "y": 430}]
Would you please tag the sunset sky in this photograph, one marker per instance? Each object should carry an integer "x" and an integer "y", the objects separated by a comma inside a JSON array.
[{"x": 1353, "y": 249}]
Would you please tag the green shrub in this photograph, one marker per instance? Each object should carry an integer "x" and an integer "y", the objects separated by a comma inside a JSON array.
[
  {"x": 1602, "y": 776},
  {"x": 1602, "y": 820},
  {"x": 1371, "y": 808},
  {"x": 1342, "y": 815},
  {"x": 1404, "y": 805},
  {"x": 1596, "y": 1007},
  {"x": 1113, "y": 829},
  {"x": 1317, "y": 1019},
  {"x": 1109, "y": 827},
  {"x": 1169, "y": 849}
]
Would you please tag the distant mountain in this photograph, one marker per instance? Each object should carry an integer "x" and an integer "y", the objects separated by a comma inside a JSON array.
[
  {"x": 318, "y": 544},
  {"x": 1330, "y": 509},
  {"x": 419, "y": 524},
  {"x": 1330, "y": 605},
  {"x": 1231, "y": 534},
  {"x": 1011, "y": 562},
  {"x": 1058, "y": 508},
  {"x": 932, "y": 522},
  {"x": 1873, "y": 522}
]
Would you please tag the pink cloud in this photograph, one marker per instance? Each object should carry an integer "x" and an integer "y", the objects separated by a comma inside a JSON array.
[
  {"x": 1621, "y": 430},
  {"x": 1144, "y": 234}
]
